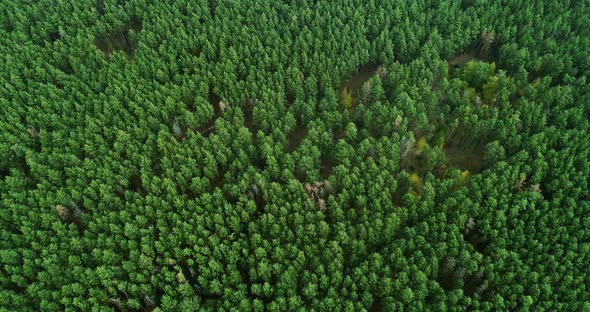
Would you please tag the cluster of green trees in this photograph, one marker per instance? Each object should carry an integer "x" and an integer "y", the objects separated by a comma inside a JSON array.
[{"x": 298, "y": 155}]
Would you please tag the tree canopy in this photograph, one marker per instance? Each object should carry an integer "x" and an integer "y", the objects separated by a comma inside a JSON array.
[{"x": 294, "y": 155}]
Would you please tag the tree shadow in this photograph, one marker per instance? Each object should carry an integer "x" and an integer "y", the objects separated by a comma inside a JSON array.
[
  {"x": 296, "y": 137},
  {"x": 120, "y": 40}
]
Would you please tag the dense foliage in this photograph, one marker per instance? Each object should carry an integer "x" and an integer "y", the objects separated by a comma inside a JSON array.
[{"x": 294, "y": 155}]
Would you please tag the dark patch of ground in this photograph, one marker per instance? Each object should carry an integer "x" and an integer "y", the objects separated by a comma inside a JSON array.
[
  {"x": 360, "y": 77},
  {"x": 295, "y": 138},
  {"x": 120, "y": 40},
  {"x": 470, "y": 159},
  {"x": 208, "y": 128}
]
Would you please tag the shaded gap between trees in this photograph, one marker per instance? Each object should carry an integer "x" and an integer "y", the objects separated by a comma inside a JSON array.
[
  {"x": 470, "y": 158},
  {"x": 249, "y": 117},
  {"x": 354, "y": 83},
  {"x": 208, "y": 128},
  {"x": 120, "y": 40},
  {"x": 296, "y": 137}
]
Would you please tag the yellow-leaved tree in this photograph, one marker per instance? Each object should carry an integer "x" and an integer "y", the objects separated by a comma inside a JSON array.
[
  {"x": 420, "y": 145},
  {"x": 346, "y": 97}
]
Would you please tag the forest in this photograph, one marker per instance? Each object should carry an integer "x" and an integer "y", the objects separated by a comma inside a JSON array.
[{"x": 255, "y": 155}]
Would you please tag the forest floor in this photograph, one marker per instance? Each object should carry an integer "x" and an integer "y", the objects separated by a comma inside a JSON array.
[
  {"x": 463, "y": 58},
  {"x": 469, "y": 55},
  {"x": 470, "y": 160},
  {"x": 295, "y": 138},
  {"x": 119, "y": 40},
  {"x": 207, "y": 128},
  {"x": 457, "y": 156},
  {"x": 362, "y": 75}
]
